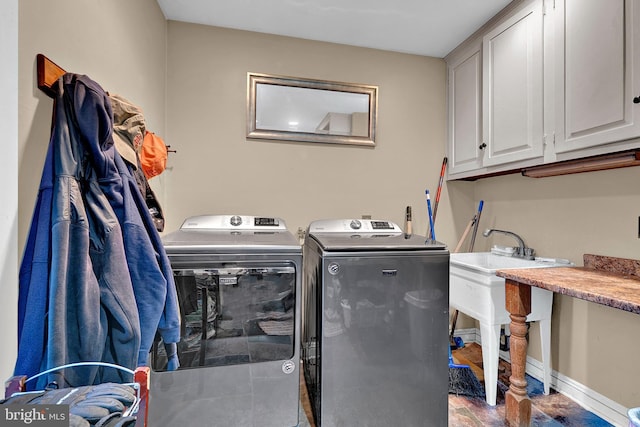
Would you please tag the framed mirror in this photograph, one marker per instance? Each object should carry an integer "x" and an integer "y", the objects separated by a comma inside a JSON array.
[{"x": 294, "y": 109}]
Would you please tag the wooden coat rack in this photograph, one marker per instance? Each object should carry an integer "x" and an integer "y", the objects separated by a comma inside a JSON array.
[{"x": 48, "y": 74}]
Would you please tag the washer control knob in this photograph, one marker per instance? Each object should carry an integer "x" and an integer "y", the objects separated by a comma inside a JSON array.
[
  {"x": 355, "y": 224},
  {"x": 288, "y": 366},
  {"x": 236, "y": 220}
]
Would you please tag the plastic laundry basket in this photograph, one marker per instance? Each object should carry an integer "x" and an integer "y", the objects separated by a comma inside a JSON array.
[
  {"x": 422, "y": 312},
  {"x": 634, "y": 417}
]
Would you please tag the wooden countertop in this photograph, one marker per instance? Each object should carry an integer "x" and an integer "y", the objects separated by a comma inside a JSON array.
[
  {"x": 602, "y": 287},
  {"x": 614, "y": 282}
]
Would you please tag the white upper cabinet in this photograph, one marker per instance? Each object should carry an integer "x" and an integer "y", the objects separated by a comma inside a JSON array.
[
  {"x": 597, "y": 74},
  {"x": 513, "y": 90},
  {"x": 495, "y": 95},
  {"x": 465, "y": 110},
  {"x": 557, "y": 79}
]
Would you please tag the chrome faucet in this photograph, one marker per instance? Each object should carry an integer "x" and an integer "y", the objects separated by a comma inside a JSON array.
[{"x": 522, "y": 251}]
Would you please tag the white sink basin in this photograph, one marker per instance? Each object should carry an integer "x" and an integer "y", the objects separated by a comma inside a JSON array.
[
  {"x": 474, "y": 289},
  {"x": 486, "y": 262}
]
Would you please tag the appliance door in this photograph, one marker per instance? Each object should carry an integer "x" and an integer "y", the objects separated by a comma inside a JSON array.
[
  {"x": 238, "y": 358},
  {"x": 383, "y": 339},
  {"x": 234, "y": 314}
]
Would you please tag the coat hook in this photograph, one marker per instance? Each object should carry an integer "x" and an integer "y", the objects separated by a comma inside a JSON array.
[{"x": 171, "y": 151}]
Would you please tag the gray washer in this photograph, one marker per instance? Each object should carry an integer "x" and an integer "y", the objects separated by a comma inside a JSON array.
[{"x": 238, "y": 280}]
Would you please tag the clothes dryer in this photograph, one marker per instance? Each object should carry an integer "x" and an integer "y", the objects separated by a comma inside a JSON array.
[
  {"x": 238, "y": 282},
  {"x": 374, "y": 346}
]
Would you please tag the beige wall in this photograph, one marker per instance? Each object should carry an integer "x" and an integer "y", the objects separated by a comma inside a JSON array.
[
  {"x": 9, "y": 177},
  {"x": 217, "y": 170}
]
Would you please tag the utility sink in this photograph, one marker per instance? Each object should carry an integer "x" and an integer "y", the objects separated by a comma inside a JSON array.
[
  {"x": 474, "y": 289},
  {"x": 487, "y": 262}
]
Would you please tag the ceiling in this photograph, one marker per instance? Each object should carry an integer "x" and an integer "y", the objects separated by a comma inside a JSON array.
[{"x": 421, "y": 27}]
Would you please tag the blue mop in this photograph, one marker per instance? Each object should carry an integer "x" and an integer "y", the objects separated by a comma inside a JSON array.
[{"x": 462, "y": 380}]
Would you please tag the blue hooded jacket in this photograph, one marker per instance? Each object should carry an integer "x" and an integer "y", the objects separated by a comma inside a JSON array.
[{"x": 100, "y": 285}]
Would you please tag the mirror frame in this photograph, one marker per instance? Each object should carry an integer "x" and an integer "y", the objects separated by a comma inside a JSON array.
[{"x": 253, "y": 79}]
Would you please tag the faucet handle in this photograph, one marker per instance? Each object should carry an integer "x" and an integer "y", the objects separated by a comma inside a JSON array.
[{"x": 528, "y": 253}]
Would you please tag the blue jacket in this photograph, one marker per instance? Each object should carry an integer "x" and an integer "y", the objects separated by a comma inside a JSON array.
[
  {"x": 100, "y": 285},
  {"x": 34, "y": 278},
  {"x": 149, "y": 265}
]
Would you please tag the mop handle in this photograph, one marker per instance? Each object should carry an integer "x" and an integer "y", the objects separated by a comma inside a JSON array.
[
  {"x": 442, "y": 170},
  {"x": 464, "y": 235},
  {"x": 475, "y": 226},
  {"x": 432, "y": 233}
]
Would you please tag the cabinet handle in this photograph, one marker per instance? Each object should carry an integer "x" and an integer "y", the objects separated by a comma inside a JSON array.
[
  {"x": 482, "y": 146},
  {"x": 636, "y": 100}
]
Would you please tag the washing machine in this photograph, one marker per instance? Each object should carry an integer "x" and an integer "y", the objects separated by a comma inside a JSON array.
[
  {"x": 374, "y": 345},
  {"x": 238, "y": 282}
]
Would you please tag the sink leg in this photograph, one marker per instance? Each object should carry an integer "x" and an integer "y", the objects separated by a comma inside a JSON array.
[
  {"x": 545, "y": 343},
  {"x": 490, "y": 336}
]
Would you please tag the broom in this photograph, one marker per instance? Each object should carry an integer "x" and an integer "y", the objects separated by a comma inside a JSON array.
[
  {"x": 462, "y": 380},
  {"x": 453, "y": 341}
]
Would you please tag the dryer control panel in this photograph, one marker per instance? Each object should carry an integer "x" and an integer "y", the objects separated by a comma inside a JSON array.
[{"x": 354, "y": 226}]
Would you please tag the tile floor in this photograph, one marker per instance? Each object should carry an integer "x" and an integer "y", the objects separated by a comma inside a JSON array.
[{"x": 554, "y": 410}]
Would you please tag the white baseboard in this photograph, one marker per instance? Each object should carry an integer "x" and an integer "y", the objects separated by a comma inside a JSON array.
[
  {"x": 468, "y": 335},
  {"x": 602, "y": 406}
]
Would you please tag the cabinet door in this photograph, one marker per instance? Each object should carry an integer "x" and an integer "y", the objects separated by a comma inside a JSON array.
[
  {"x": 513, "y": 88},
  {"x": 465, "y": 109},
  {"x": 597, "y": 74}
]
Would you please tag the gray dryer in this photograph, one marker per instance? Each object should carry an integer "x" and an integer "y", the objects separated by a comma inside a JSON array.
[{"x": 374, "y": 345}]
